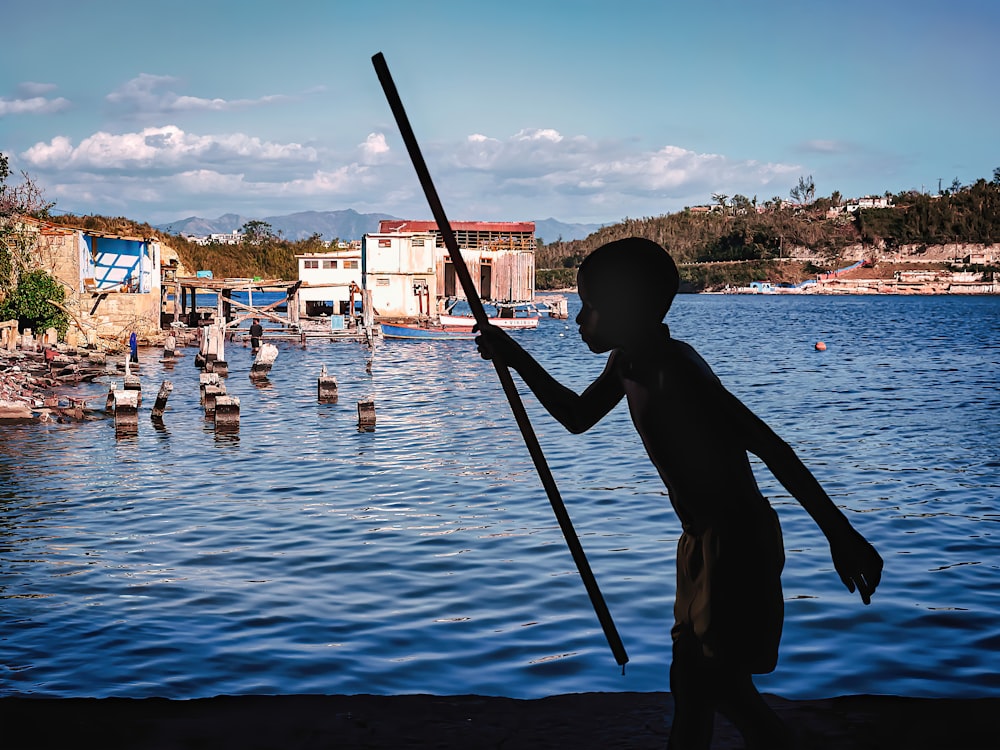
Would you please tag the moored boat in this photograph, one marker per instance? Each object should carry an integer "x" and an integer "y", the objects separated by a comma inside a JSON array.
[
  {"x": 467, "y": 321},
  {"x": 425, "y": 332}
]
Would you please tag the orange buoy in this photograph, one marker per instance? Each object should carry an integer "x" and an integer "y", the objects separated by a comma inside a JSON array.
[{"x": 820, "y": 346}]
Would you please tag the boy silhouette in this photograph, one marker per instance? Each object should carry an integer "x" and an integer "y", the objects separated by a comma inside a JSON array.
[{"x": 728, "y": 609}]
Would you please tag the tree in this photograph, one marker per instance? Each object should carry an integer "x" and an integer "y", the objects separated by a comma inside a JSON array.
[
  {"x": 257, "y": 232},
  {"x": 29, "y": 303},
  {"x": 996, "y": 176},
  {"x": 804, "y": 192},
  {"x": 17, "y": 243},
  {"x": 721, "y": 199}
]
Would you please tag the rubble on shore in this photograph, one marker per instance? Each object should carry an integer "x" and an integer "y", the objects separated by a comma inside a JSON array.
[{"x": 33, "y": 377}]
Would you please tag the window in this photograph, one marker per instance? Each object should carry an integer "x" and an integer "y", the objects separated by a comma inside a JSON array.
[
  {"x": 310, "y": 264},
  {"x": 350, "y": 264},
  {"x": 385, "y": 243},
  {"x": 329, "y": 264},
  {"x": 382, "y": 282},
  {"x": 418, "y": 241}
]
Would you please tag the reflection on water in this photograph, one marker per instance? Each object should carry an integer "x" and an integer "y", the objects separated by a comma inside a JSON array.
[{"x": 301, "y": 554}]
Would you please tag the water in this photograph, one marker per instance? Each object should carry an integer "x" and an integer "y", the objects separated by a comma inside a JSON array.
[{"x": 303, "y": 556}]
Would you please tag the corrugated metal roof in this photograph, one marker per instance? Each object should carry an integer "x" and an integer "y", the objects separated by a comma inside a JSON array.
[{"x": 406, "y": 225}]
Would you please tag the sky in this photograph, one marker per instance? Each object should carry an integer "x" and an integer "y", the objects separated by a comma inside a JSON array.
[{"x": 585, "y": 111}]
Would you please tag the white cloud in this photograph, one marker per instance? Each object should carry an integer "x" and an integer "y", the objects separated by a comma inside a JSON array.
[
  {"x": 374, "y": 147},
  {"x": 149, "y": 93},
  {"x": 166, "y": 147},
  {"x": 163, "y": 171},
  {"x": 31, "y": 99}
]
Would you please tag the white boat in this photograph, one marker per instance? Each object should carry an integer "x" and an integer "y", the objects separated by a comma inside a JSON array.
[
  {"x": 467, "y": 321},
  {"x": 508, "y": 315}
]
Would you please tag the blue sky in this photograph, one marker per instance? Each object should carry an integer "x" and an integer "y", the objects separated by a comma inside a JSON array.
[{"x": 583, "y": 111}]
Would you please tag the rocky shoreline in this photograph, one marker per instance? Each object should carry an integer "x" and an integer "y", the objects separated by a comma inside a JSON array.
[{"x": 581, "y": 721}]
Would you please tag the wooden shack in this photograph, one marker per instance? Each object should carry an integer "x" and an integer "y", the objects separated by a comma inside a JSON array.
[{"x": 500, "y": 257}]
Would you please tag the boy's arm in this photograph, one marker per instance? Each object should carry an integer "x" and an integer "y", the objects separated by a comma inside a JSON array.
[
  {"x": 577, "y": 413},
  {"x": 855, "y": 560}
]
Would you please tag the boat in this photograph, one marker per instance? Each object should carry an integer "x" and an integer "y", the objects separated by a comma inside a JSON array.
[
  {"x": 520, "y": 316},
  {"x": 467, "y": 321},
  {"x": 425, "y": 332}
]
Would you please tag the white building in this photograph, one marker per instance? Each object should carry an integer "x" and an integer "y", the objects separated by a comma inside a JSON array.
[
  {"x": 327, "y": 280},
  {"x": 400, "y": 272}
]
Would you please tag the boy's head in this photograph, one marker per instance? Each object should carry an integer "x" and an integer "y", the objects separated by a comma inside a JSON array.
[{"x": 634, "y": 280}]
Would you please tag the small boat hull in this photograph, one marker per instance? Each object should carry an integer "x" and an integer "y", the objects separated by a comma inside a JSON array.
[
  {"x": 467, "y": 321},
  {"x": 425, "y": 333}
]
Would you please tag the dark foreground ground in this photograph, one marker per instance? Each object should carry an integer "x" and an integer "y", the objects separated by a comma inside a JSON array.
[{"x": 588, "y": 720}]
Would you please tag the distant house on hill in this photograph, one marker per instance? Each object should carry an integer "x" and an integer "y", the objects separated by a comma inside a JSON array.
[{"x": 112, "y": 281}]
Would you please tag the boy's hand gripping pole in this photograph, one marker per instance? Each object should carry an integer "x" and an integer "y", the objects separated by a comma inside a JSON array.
[{"x": 506, "y": 380}]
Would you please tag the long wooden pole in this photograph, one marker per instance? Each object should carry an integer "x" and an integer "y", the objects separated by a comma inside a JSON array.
[{"x": 506, "y": 380}]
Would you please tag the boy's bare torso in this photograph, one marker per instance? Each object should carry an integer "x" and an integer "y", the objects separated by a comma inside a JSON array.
[{"x": 694, "y": 439}]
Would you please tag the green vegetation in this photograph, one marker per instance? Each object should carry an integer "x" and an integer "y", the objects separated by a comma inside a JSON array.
[
  {"x": 29, "y": 303},
  {"x": 16, "y": 241},
  {"x": 739, "y": 229}
]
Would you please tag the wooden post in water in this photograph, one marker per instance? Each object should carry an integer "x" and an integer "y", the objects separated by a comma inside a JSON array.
[
  {"x": 220, "y": 365},
  {"x": 366, "y": 415},
  {"x": 161, "y": 400},
  {"x": 263, "y": 361},
  {"x": 109, "y": 405},
  {"x": 326, "y": 388}
]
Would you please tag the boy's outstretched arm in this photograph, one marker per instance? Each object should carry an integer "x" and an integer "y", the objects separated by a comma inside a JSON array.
[
  {"x": 856, "y": 561},
  {"x": 577, "y": 413}
]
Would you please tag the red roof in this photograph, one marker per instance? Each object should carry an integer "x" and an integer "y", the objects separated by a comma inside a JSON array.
[{"x": 405, "y": 225}]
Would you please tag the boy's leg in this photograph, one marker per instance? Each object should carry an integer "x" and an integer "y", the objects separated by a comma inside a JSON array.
[
  {"x": 690, "y": 686},
  {"x": 738, "y": 700}
]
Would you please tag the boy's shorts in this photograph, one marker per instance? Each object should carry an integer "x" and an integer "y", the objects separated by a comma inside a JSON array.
[{"x": 729, "y": 592}]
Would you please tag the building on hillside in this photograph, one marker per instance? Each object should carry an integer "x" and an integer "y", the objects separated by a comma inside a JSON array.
[
  {"x": 500, "y": 257},
  {"x": 112, "y": 281}
]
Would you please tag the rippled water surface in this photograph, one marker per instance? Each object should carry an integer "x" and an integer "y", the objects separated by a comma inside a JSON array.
[{"x": 303, "y": 556}]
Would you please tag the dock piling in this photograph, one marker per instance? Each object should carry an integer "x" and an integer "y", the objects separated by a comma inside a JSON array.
[
  {"x": 212, "y": 394},
  {"x": 161, "y": 400},
  {"x": 126, "y": 406},
  {"x": 227, "y": 412},
  {"x": 366, "y": 415},
  {"x": 262, "y": 363},
  {"x": 326, "y": 388}
]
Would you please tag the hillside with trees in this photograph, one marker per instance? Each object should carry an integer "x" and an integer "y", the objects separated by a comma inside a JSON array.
[
  {"x": 734, "y": 240},
  {"x": 760, "y": 235}
]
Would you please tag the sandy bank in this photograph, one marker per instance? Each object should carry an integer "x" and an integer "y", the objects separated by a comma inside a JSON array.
[{"x": 588, "y": 720}]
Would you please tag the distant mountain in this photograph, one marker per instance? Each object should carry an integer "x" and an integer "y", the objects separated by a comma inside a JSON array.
[
  {"x": 550, "y": 230},
  {"x": 347, "y": 224}
]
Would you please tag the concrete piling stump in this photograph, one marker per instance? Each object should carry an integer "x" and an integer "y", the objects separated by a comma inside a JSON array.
[
  {"x": 326, "y": 388},
  {"x": 227, "y": 412},
  {"x": 161, "y": 400},
  {"x": 206, "y": 379},
  {"x": 132, "y": 383},
  {"x": 262, "y": 363},
  {"x": 212, "y": 393},
  {"x": 126, "y": 405},
  {"x": 366, "y": 415}
]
